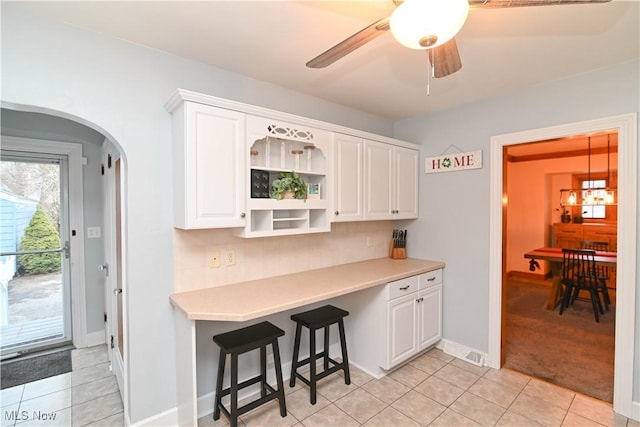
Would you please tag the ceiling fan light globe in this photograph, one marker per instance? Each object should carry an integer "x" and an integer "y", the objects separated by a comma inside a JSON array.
[{"x": 414, "y": 21}]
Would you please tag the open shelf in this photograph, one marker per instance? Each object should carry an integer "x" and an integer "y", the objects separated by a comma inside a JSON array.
[
  {"x": 274, "y": 153},
  {"x": 271, "y": 155}
]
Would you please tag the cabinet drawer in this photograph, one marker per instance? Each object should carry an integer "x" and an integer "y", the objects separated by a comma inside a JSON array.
[
  {"x": 568, "y": 231},
  {"x": 595, "y": 233},
  {"x": 402, "y": 287},
  {"x": 430, "y": 279}
]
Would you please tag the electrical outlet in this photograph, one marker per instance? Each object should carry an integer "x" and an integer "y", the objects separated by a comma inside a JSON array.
[
  {"x": 230, "y": 257},
  {"x": 214, "y": 259}
]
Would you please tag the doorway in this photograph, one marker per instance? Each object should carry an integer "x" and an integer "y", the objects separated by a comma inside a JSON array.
[
  {"x": 573, "y": 350},
  {"x": 626, "y": 126},
  {"x": 35, "y": 283}
]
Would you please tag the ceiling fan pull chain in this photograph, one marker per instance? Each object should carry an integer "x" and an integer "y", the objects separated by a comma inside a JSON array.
[{"x": 429, "y": 73}]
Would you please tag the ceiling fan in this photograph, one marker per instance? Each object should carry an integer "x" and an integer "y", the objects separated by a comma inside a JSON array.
[{"x": 429, "y": 25}]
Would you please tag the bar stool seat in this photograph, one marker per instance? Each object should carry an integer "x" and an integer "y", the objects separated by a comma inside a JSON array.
[
  {"x": 240, "y": 341},
  {"x": 318, "y": 318}
]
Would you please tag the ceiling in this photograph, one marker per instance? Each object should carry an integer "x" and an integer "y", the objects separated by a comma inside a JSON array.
[
  {"x": 502, "y": 50},
  {"x": 573, "y": 146}
]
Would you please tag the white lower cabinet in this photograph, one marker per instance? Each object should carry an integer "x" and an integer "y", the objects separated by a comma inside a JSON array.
[{"x": 414, "y": 316}]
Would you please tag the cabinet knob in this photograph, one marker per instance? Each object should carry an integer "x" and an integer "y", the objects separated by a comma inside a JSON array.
[
  {"x": 242, "y": 215},
  {"x": 337, "y": 213}
]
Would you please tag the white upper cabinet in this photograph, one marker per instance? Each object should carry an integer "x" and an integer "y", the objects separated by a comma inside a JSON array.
[
  {"x": 227, "y": 155},
  {"x": 208, "y": 166},
  {"x": 405, "y": 189},
  {"x": 391, "y": 181},
  {"x": 378, "y": 181},
  {"x": 348, "y": 178},
  {"x": 274, "y": 147}
]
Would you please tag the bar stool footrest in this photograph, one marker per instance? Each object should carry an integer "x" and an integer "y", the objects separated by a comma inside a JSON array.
[
  {"x": 271, "y": 395},
  {"x": 337, "y": 366}
]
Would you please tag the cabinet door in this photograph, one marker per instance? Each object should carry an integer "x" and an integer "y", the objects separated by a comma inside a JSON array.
[
  {"x": 378, "y": 181},
  {"x": 401, "y": 329},
  {"x": 567, "y": 236},
  {"x": 213, "y": 169},
  {"x": 406, "y": 183},
  {"x": 348, "y": 178},
  {"x": 429, "y": 308},
  {"x": 602, "y": 233}
]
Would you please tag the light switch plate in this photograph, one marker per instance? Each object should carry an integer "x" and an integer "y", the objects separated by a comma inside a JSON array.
[{"x": 93, "y": 232}]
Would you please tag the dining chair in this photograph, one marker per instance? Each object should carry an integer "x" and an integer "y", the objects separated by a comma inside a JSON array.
[
  {"x": 579, "y": 274},
  {"x": 601, "y": 270}
]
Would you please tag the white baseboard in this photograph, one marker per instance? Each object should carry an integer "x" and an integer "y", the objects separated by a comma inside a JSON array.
[
  {"x": 167, "y": 418},
  {"x": 635, "y": 411},
  {"x": 94, "y": 338}
]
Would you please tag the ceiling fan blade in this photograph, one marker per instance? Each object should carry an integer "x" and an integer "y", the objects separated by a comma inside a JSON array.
[
  {"x": 520, "y": 3},
  {"x": 350, "y": 44},
  {"x": 445, "y": 59}
]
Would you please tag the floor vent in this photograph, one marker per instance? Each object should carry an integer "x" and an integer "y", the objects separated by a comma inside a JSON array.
[{"x": 465, "y": 353}]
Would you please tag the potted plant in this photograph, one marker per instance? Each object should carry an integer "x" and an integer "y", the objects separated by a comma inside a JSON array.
[
  {"x": 565, "y": 216},
  {"x": 288, "y": 185},
  {"x": 577, "y": 219}
]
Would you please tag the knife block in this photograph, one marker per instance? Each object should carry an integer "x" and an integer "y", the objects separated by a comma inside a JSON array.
[{"x": 397, "y": 253}]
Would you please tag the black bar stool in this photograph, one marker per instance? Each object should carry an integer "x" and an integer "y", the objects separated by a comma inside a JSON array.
[
  {"x": 238, "y": 342},
  {"x": 322, "y": 317}
]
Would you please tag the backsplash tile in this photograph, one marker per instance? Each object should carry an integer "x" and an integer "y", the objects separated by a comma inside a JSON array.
[{"x": 273, "y": 256}]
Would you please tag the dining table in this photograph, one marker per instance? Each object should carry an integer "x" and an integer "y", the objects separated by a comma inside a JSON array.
[{"x": 554, "y": 257}]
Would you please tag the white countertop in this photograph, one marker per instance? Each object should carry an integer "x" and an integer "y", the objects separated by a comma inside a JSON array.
[{"x": 256, "y": 298}]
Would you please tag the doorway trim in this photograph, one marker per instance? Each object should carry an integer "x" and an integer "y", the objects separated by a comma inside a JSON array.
[
  {"x": 626, "y": 126},
  {"x": 73, "y": 152}
]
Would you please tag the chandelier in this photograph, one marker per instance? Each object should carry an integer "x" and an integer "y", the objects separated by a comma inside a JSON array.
[{"x": 591, "y": 195}]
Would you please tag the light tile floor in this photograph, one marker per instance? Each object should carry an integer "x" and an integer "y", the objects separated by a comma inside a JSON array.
[
  {"x": 86, "y": 396},
  {"x": 434, "y": 390}
]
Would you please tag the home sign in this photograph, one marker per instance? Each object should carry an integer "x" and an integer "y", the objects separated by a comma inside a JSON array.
[{"x": 453, "y": 162}]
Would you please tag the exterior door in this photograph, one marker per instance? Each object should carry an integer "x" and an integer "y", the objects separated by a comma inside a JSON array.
[
  {"x": 35, "y": 290},
  {"x": 113, "y": 268}
]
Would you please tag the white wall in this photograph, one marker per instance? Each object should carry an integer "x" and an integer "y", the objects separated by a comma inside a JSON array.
[
  {"x": 454, "y": 224},
  {"x": 119, "y": 89}
]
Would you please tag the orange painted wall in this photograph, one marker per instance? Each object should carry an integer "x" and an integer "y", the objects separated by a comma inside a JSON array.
[{"x": 533, "y": 190}]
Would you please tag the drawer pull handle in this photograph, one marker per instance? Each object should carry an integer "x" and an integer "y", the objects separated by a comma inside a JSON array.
[
  {"x": 431, "y": 279},
  {"x": 404, "y": 288}
]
